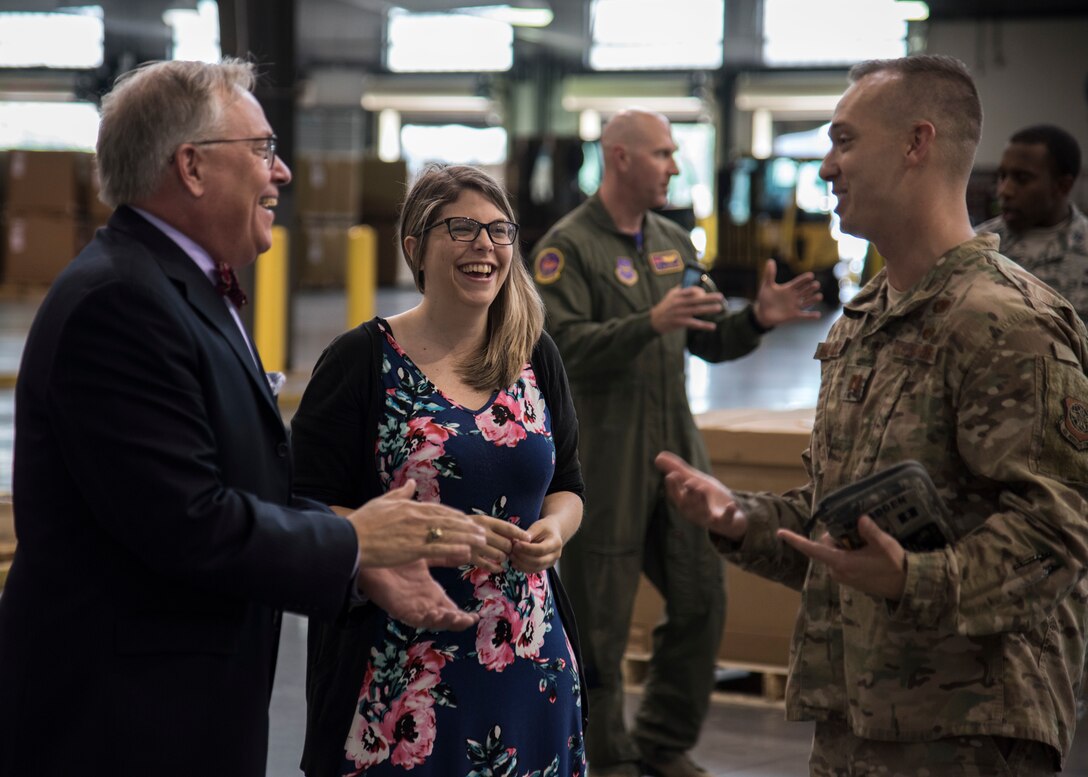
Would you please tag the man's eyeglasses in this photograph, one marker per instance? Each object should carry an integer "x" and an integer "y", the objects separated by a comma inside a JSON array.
[
  {"x": 465, "y": 230},
  {"x": 268, "y": 152}
]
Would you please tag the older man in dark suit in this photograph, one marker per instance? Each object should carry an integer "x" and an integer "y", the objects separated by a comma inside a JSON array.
[{"x": 158, "y": 537}]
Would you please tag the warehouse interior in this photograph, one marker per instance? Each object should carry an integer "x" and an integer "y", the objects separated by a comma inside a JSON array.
[{"x": 363, "y": 93}]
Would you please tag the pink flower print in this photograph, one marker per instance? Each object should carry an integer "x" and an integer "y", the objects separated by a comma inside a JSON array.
[
  {"x": 500, "y": 422},
  {"x": 413, "y": 729},
  {"x": 368, "y": 742},
  {"x": 499, "y": 622},
  {"x": 530, "y": 637},
  {"x": 532, "y": 408},
  {"x": 424, "y": 655},
  {"x": 486, "y": 585},
  {"x": 423, "y": 431},
  {"x": 420, "y": 467},
  {"x": 424, "y": 667}
]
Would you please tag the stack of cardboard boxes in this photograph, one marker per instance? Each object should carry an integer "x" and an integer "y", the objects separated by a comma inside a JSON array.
[
  {"x": 333, "y": 193},
  {"x": 50, "y": 210}
]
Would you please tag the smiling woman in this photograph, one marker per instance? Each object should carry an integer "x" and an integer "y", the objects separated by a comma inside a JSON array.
[{"x": 464, "y": 398}]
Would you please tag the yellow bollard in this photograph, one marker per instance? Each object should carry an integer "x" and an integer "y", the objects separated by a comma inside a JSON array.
[
  {"x": 270, "y": 305},
  {"x": 361, "y": 276}
]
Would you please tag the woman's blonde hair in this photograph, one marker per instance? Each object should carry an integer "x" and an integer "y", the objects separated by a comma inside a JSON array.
[{"x": 516, "y": 317}]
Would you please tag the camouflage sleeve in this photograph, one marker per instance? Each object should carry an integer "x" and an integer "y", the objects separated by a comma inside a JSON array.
[
  {"x": 589, "y": 343},
  {"x": 1022, "y": 433},
  {"x": 761, "y": 552}
]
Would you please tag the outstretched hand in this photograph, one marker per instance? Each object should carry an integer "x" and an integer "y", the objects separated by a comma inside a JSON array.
[
  {"x": 700, "y": 498},
  {"x": 412, "y": 596},
  {"x": 779, "y": 303},
  {"x": 877, "y": 568},
  {"x": 394, "y": 529}
]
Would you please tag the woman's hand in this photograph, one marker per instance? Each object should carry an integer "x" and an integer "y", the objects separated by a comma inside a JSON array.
[
  {"x": 541, "y": 550},
  {"x": 501, "y": 537}
]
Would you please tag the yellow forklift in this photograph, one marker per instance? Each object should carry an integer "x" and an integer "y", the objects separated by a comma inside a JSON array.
[{"x": 776, "y": 208}]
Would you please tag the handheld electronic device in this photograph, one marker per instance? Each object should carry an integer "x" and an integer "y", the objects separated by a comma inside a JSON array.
[{"x": 901, "y": 499}]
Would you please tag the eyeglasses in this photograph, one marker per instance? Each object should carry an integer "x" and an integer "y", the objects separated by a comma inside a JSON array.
[
  {"x": 268, "y": 152},
  {"x": 465, "y": 230}
]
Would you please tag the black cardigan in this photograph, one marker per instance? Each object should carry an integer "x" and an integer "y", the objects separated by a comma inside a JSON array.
[{"x": 340, "y": 411}]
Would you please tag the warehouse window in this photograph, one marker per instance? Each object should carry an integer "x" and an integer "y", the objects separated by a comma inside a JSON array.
[
  {"x": 437, "y": 42},
  {"x": 71, "y": 38},
  {"x": 69, "y": 126},
  {"x": 656, "y": 34},
  {"x": 453, "y": 144},
  {"x": 797, "y": 32},
  {"x": 195, "y": 32}
]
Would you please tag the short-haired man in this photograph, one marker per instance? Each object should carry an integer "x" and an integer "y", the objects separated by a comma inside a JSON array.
[
  {"x": 964, "y": 658},
  {"x": 158, "y": 537},
  {"x": 610, "y": 274},
  {"x": 1039, "y": 225}
]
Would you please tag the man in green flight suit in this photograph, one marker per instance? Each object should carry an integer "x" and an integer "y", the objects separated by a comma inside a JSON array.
[{"x": 610, "y": 275}]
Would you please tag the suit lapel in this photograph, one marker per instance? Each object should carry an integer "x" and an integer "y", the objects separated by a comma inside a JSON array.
[{"x": 198, "y": 292}]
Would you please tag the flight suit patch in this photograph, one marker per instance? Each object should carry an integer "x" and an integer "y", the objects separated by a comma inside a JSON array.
[
  {"x": 1074, "y": 424},
  {"x": 548, "y": 265},
  {"x": 666, "y": 262},
  {"x": 625, "y": 271}
]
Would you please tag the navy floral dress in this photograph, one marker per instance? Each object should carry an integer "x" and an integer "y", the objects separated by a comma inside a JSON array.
[{"x": 501, "y": 698}]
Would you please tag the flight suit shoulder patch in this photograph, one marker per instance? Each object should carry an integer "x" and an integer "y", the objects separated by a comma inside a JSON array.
[
  {"x": 548, "y": 265},
  {"x": 626, "y": 272}
]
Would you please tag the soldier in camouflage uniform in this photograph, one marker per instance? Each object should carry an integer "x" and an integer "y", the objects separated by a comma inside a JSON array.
[
  {"x": 609, "y": 273},
  {"x": 964, "y": 659},
  {"x": 1039, "y": 226}
]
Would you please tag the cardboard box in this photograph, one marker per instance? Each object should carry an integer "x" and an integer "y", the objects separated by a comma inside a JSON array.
[
  {"x": 38, "y": 246},
  {"x": 42, "y": 182},
  {"x": 326, "y": 186},
  {"x": 751, "y": 450},
  {"x": 7, "y": 520},
  {"x": 384, "y": 185},
  {"x": 97, "y": 212},
  {"x": 323, "y": 253},
  {"x": 757, "y": 450}
]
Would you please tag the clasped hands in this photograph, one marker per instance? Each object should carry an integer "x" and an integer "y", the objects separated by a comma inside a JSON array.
[
  {"x": 878, "y": 568},
  {"x": 399, "y": 538}
]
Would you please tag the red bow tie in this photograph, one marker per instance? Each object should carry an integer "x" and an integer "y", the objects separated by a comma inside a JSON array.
[{"x": 228, "y": 285}]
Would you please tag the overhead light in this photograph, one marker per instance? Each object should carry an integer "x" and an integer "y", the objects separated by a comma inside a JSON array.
[
  {"x": 529, "y": 13},
  {"x": 427, "y": 103},
  {"x": 674, "y": 107},
  {"x": 913, "y": 10}
]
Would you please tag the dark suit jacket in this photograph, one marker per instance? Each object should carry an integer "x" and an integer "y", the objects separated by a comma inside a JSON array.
[{"x": 158, "y": 538}]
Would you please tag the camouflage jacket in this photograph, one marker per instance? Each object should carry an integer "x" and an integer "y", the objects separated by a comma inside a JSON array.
[
  {"x": 1058, "y": 256},
  {"x": 978, "y": 373}
]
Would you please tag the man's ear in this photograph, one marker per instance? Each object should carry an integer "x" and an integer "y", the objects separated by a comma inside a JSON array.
[
  {"x": 922, "y": 136},
  {"x": 188, "y": 165},
  {"x": 1064, "y": 183}
]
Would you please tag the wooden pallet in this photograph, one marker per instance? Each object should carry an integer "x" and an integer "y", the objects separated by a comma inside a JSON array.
[{"x": 760, "y": 685}]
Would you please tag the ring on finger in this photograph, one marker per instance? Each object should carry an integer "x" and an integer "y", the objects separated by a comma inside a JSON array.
[{"x": 434, "y": 534}]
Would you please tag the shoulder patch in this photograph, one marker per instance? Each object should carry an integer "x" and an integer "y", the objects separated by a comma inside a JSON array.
[
  {"x": 548, "y": 265},
  {"x": 1074, "y": 424},
  {"x": 625, "y": 271}
]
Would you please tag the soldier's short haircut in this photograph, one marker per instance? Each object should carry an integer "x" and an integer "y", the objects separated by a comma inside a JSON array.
[
  {"x": 940, "y": 90},
  {"x": 1061, "y": 147},
  {"x": 154, "y": 109}
]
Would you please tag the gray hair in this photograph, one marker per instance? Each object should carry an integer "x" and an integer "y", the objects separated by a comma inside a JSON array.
[
  {"x": 516, "y": 317},
  {"x": 154, "y": 109}
]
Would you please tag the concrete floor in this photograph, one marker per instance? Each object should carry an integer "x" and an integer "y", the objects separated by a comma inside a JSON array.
[{"x": 748, "y": 739}]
